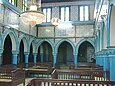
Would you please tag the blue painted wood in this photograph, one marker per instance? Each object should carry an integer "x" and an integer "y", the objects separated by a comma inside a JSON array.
[
  {"x": 10, "y": 6},
  {"x": 71, "y": 22}
]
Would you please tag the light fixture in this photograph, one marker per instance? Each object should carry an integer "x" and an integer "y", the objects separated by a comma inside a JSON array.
[
  {"x": 55, "y": 21},
  {"x": 33, "y": 16}
]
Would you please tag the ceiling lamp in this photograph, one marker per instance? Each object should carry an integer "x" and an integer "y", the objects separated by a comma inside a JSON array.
[
  {"x": 55, "y": 21},
  {"x": 33, "y": 16}
]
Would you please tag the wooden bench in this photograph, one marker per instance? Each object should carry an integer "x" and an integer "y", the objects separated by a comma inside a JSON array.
[
  {"x": 56, "y": 82},
  {"x": 98, "y": 75},
  {"x": 12, "y": 76},
  {"x": 38, "y": 70}
]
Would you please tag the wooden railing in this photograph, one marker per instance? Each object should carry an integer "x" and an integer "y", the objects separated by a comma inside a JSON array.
[
  {"x": 99, "y": 75},
  {"x": 11, "y": 76},
  {"x": 56, "y": 82}
]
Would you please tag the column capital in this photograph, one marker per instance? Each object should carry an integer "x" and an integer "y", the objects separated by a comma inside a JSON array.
[
  {"x": 26, "y": 53},
  {"x": 15, "y": 52},
  {"x": 75, "y": 54},
  {"x": 34, "y": 53},
  {"x": 54, "y": 54}
]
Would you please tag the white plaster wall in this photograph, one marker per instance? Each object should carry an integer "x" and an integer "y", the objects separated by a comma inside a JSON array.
[
  {"x": 112, "y": 27},
  {"x": 105, "y": 38}
]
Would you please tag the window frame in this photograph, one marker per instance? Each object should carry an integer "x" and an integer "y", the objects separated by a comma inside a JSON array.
[
  {"x": 64, "y": 12},
  {"x": 84, "y": 12},
  {"x": 46, "y": 17}
]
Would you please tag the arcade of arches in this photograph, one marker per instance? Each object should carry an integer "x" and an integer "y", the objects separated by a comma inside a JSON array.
[{"x": 64, "y": 56}]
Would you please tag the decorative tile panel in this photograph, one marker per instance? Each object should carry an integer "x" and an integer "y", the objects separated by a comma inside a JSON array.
[
  {"x": 1, "y": 13},
  {"x": 45, "y": 32},
  {"x": 84, "y": 30}
]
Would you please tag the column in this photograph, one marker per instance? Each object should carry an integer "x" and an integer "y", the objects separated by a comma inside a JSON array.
[
  {"x": 35, "y": 56},
  {"x": 41, "y": 56},
  {"x": 75, "y": 60},
  {"x": 112, "y": 67},
  {"x": 26, "y": 57},
  {"x": 106, "y": 63},
  {"x": 1, "y": 59},
  {"x": 54, "y": 59},
  {"x": 15, "y": 57},
  {"x": 46, "y": 57},
  {"x": 41, "y": 53}
]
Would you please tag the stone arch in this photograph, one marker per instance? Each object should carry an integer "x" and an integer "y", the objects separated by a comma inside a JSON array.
[
  {"x": 25, "y": 41},
  {"x": 32, "y": 41},
  {"x": 14, "y": 40},
  {"x": 85, "y": 51},
  {"x": 83, "y": 40},
  {"x": 63, "y": 40},
  {"x": 41, "y": 41}
]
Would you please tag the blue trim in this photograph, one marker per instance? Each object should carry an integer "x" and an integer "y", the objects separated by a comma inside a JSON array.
[
  {"x": 45, "y": 40},
  {"x": 10, "y": 6},
  {"x": 98, "y": 40},
  {"x": 103, "y": 35},
  {"x": 65, "y": 40},
  {"x": 24, "y": 38},
  {"x": 71, "y": 22}
]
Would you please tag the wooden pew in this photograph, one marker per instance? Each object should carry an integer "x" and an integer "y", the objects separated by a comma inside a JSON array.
[
  {"x": 56, "y": 82},
  {"x": 38, "y": 70},
  {"x": 98, "y": 75},
  {"x": 11, "y": 76}
]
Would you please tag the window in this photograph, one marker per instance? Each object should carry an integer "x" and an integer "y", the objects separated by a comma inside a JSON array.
[
  {"x": 24, "y": 5},
  {"x": 65, "y": 14},
  {"x": 14, "y": 2},
  {"x": 47, "y": 12},
  {"x": 84, "y": 13}
]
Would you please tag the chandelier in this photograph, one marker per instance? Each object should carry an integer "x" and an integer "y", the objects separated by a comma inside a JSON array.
[{"x": 33, "y": 16}]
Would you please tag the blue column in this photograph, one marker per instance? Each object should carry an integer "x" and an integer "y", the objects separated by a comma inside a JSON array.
[
  {"x": 46, "y": 57},
  {"x": 112, "y": 67},
  {"x": 41, "y": 56},
  {"x": 0, "y": 59},
  {"x": 102, "y": 60},
  {"x": 97, "y": 59},
  {"x": 35, "y": 56},
  {"x": 14, "y": 56},
  {"x": 26, "y": 57},
  {"x": 54, "y": 59},
  {"x": 75, "y": 60},
  {"x": 106, "y": 63}
]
